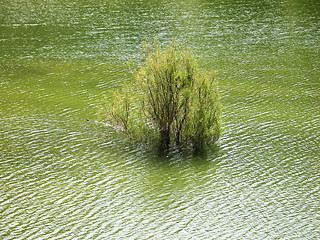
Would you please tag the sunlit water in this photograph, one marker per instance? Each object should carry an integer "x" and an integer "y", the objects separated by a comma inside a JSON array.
[{"x": 65, "y": 177}]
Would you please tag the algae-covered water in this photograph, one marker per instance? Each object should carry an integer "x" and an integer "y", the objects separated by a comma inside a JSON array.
[{"x": 64, "y": 177}]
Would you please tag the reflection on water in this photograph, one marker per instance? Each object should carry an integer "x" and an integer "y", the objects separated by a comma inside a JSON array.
[{"x": 63, "y": 177}]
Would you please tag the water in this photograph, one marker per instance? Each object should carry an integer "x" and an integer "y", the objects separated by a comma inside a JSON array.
[{"x": 63, "y": 177}]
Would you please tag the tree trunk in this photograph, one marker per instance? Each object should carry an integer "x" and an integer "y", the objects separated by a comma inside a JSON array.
[{"x": 165, "y": 138}]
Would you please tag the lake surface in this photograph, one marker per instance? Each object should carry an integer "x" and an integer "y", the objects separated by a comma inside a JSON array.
[{"x": 64, "y": 177}]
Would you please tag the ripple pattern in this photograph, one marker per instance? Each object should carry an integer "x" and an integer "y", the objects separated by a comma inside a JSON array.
[{"x": 63, "y": 176}]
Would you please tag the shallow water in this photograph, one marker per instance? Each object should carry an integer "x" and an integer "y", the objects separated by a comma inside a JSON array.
[{"x": 63, "y": 177}]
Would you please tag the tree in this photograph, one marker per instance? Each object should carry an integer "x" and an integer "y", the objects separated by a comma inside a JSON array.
[{"x": 170, "y": 99}]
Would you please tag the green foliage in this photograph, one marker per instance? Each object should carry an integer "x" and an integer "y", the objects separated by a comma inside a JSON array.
[{"x": 170, "y": 100}]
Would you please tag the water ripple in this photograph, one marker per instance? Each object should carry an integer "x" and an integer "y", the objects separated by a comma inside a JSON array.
[{"x": 63, "y": 177}]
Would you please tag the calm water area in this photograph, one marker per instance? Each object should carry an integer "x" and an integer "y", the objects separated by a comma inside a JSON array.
[{"x": 63, "y": 176}]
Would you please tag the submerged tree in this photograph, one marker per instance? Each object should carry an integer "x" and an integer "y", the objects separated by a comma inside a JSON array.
[{"x": 170, "y": 100}]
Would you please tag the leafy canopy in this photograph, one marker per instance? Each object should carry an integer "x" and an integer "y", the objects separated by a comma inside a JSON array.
[{"x": 170, "y": 100}]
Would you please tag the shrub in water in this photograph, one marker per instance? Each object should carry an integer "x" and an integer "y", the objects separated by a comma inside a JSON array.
[{"x": 170, "y": 100}]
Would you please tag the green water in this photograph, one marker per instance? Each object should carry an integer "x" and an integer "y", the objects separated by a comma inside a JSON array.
[{"x": 63, "y": 177}]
